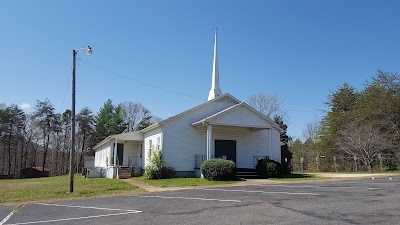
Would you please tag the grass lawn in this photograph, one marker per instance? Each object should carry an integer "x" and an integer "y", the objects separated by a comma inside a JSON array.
[
  {"x": 181, "y": 182},
  {"x": 54, "y": 188}
]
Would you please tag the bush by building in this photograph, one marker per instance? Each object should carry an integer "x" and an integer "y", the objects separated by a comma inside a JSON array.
[
  {"x": 267, "y": 168},
  {"x": 219, "y": 169}
]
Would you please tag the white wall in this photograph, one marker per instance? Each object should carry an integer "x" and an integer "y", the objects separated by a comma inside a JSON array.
[
  {"x": 102, "y": 154},
  {"x": 181, "y": 141},
  {"x": 276, "y": 145},
  {"x": 154, "y": 136},
  {"x": 131, "y": 148},
  {"x": 242, "y": 116},
  {"x": 248, "y": 144}
]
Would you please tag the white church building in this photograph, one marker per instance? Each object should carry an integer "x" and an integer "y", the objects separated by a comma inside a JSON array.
[{"x": 222, "y": 127}]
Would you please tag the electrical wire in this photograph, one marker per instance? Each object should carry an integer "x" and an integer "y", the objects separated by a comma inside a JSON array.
[{"x": 138, "y": 81}]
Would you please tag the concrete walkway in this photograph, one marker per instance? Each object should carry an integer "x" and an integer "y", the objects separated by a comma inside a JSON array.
[{"x": 150, "y": 188}]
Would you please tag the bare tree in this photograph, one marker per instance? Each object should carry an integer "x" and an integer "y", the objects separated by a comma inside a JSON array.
[
  {"x": 133, "y": 114},
  {"x": 270, "y": 106},
  {"x": 45, "y": 117},
  {"x": 364, "y": 142},
  {"x": 311, "y": 131}
]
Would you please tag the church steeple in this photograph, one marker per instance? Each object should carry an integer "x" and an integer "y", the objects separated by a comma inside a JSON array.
[{"x": 215, "y": 90}]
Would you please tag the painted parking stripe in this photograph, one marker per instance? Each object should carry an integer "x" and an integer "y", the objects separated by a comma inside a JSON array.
[
  {"x": 10, "y": 215},
  {"x": 188, "y": 198},
  {"x": 263, "y": 192},
  {"x": 89, "y": 207},
  {"x": 124, "y": 212},
  {"x": 76, "y": 218},
  {"x": 320, "y": 187}
]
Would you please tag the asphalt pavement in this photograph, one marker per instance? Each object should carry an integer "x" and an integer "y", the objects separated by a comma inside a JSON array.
[{"x": 360, "y": 201}]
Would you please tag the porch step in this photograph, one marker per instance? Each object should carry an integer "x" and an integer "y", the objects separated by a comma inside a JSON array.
[
  {"x": 124, "y": 173},
  {"x": 245, "y": 173}
]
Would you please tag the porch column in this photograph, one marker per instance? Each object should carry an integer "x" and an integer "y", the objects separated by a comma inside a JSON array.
[
  {"x": 209, "y": 141},
  {"x": 269, "y": 144},
  {"x": 115, "y": 153}
]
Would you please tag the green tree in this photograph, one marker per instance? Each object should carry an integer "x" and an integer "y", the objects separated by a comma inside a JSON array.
[
  {"x": 146, "y": 120},
  {"x": 363, "y": 124},
  {"x": 109, "y": 121},
  {"x": 342, "y": 105},
  {"x": 86, "y": 121},
  {"x": 286, "y": 155}
]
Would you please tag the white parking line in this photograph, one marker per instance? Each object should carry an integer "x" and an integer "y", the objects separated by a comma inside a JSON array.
[
  {"x": 89, "y": 207},
  {"x": 10, "y": 215},
  {"x": 188, "y": 198},
  {"x": 263, "y": 192},
  {"x": 320, "y": 187},
  {"x": 124, "y": 212},
  {"x": 76, "y": 218}
]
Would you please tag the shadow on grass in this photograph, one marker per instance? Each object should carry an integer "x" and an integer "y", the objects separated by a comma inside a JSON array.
[{"x": 298, "y": 175}]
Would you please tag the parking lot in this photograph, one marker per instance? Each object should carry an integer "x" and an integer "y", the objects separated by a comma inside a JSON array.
[{"x": 361, "y": 201}]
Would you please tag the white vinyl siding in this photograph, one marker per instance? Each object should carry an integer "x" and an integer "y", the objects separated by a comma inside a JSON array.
[
  {"x": 131, "y": 149},
  {"x": 181, "y": 142},
  {"x": 248, "y": 144},
  {"x": 241, "y": 116},
  {"x": 103, "y": 154},
  {"x": 276, "y": 145},
  {"x": 150, "y": 138}
]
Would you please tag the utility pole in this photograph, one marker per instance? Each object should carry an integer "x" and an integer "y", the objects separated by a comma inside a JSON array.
[{"x": 71, "y": 153}]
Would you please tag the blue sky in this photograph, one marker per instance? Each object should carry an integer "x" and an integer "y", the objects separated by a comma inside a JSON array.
[{"x": 297, "y": 50}]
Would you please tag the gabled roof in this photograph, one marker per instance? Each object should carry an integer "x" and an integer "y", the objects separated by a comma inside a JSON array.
[
  {"x": 210, "y": 119},
  {"x": 130, "y": 136},
  {"x": 225, "y": 98}
]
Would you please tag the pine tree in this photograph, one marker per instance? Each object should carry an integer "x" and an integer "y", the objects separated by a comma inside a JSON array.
[{"x": 109, "y": 121}]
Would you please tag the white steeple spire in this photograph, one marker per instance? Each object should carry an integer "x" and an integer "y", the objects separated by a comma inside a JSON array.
[{"x": 215, "y": 91}]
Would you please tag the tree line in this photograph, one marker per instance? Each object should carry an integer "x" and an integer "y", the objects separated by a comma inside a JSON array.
[
  {"x": 41, "y": 139},
  {"x": 360, "y": 130}
]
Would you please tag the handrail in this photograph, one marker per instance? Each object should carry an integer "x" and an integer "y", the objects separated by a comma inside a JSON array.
[{"x": 257, "y": 158}]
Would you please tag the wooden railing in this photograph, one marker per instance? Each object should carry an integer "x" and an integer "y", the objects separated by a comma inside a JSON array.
[
  {"x": 135, "y": 161},
  {"x": 256, "y": 158}
]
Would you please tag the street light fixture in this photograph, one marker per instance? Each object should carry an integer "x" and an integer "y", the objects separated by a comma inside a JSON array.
[{"x": 72, "y": 151}]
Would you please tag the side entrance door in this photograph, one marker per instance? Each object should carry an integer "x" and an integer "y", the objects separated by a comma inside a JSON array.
[
  {"x": 225, "y": 148},
  {"x": 120, "y": 153}
]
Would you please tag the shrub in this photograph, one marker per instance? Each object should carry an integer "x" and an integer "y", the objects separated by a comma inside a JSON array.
[
  {"x": 286, "y": 168},
  {"x": 267, "y": 168},
  {"x": 219, "y": 169},
  {"x": 155, "y": 169},
  {"x": 167, "y": 172}
]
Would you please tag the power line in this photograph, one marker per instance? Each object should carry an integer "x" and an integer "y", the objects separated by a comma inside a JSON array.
[
  {"x": 65, "y": 93},
  {"x": 138, "y": 81}
]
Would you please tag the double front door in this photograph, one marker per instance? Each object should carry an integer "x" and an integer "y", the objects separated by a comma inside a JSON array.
[{"x": 225, "y": 149}]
